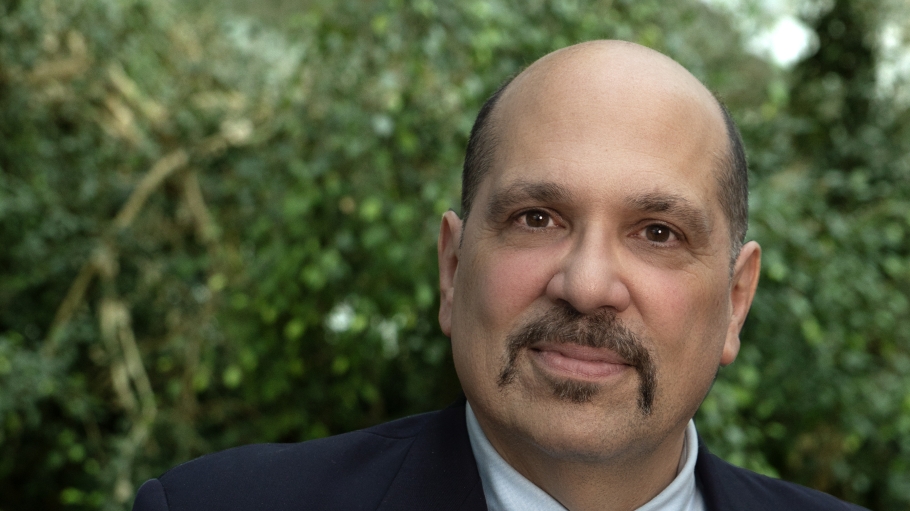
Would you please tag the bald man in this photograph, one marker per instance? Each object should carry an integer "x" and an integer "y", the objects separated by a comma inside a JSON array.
[{"x": 595, "y": 282}]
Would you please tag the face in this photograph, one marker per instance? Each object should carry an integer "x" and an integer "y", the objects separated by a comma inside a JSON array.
[{"x": 589, "y": 296}]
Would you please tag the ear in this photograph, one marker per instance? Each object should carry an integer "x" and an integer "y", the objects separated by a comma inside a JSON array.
[
  {"x": 742, "y": 290},
  {"x": 447, "y": 249}
]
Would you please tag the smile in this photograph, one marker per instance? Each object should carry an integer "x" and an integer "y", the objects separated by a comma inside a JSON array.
[{"x": 578, "y": 362}]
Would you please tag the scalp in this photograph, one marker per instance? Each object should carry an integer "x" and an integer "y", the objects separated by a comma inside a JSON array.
[{"x": 589, "y": 76}]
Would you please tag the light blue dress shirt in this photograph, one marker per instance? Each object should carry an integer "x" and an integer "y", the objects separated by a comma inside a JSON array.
[{"x": 507, "y": 490}]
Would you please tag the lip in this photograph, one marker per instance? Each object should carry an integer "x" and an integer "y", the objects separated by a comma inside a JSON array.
[{"x": 578, "y": 362}]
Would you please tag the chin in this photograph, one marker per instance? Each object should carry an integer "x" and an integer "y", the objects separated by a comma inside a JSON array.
[
  {"x": 586, "y": 442},
  {"x": 599, "y": 429}
]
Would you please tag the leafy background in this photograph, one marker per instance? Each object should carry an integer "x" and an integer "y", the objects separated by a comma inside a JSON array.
[{"x": 217, "y": 226}]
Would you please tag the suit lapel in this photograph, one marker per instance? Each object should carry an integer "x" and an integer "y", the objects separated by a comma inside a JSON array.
[
  {"x": 720, "y": 490},
  {"x": 706, "y": 479},
  {"x": 439, "y": 471}
]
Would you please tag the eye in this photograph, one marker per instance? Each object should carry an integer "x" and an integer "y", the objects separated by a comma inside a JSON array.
[
  {"x": 659, "y": 233},
  {"x": 536, "y": 219}
]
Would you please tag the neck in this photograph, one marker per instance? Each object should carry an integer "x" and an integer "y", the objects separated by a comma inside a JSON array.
[{"x": 620, "y": 482}]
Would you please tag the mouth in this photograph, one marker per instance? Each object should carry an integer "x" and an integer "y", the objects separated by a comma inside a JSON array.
[
  {"x": 574, "y": 361},
  {"x": 579, "y": 355}
]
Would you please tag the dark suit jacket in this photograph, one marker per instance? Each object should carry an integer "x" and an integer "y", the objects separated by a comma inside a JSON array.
[{"x": 423, "y": 462}]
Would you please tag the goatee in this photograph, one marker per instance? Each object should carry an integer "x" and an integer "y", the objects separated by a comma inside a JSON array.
[{"x": 564, "y": 325}]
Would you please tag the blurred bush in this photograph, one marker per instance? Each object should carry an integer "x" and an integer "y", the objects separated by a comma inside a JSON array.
[{"x": 218, "y": 227}]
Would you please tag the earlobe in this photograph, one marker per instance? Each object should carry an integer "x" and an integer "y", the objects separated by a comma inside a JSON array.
[
  {"x": 742, "y": 291},
  {"x": 447, "y": 251}
]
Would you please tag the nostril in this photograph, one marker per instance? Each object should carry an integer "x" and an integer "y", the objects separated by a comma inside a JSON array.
[{"x": 567, "y": 305}]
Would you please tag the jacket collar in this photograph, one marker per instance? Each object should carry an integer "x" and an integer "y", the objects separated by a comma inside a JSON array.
[
  {"x": 439, "y": 471},
  {"x": 719, "y": 489}
]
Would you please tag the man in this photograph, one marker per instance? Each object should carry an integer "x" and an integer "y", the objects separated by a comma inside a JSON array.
[{"x": 593, "y": 286}]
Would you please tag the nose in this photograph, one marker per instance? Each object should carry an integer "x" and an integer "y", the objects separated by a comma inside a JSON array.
[{"x": 590, "y": 276}]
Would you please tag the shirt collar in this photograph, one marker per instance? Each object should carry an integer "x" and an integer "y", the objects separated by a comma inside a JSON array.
[{"x": 507, "y": 490}]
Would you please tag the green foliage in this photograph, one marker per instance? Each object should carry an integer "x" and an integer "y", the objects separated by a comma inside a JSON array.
[
  {"x": 219, "y": 230},
  {"x": 821, "y": 392}
]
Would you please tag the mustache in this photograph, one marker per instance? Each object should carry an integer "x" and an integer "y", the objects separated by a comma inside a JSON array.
[{"x": 563, "y": 324}]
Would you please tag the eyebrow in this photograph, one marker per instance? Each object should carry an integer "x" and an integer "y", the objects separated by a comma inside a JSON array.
[
  {"x": 675, "y": 205},
  {"x": 696, "y": 219},
  {"x": 521, "y": 192}
]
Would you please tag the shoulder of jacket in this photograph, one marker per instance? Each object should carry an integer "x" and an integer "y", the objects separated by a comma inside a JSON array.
[
  {"x": 337, "y": 472},
  {"x": 364, "y": 442},
  {"x": 724, "y": 484}
]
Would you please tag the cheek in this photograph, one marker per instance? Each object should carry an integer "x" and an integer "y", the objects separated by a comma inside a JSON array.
[
  {"x": 505, "y": 284},
  {"x": 685, "y": 320},
  {"x": 493, "y": 293},
  {"x": 687, "y": 311}
]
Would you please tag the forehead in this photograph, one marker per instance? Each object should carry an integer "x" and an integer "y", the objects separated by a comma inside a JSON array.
[{"x": 620, "y": 124}]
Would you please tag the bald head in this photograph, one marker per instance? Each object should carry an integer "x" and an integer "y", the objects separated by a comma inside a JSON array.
[{"x": 626, "y": 86}]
